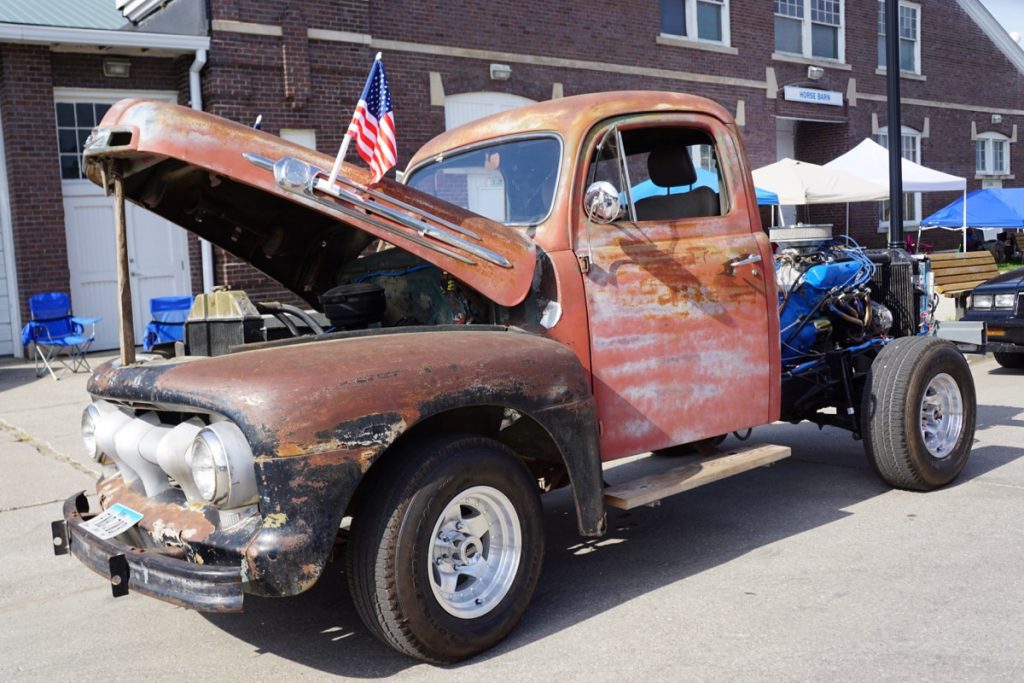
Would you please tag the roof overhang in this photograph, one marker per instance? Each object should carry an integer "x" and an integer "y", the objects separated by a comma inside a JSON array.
[
  {"x": 90, "y": 37},
  {"x": 994, "y": 30}
]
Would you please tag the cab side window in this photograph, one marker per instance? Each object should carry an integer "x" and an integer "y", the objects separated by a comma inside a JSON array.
[{"x": 673, "y": 173}]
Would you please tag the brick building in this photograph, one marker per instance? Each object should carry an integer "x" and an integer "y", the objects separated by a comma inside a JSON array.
[{"x": 302, "y": 64}]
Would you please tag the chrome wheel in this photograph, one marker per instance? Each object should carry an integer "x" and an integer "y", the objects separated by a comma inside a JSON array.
[
  {"x": 942, "y": 415},
  {"x": 475, "y": 552}
]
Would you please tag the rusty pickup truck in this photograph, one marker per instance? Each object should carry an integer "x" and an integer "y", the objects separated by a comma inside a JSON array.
[{"x": 547, "y": 290}]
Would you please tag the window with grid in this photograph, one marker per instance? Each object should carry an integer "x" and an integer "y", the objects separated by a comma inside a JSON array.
[
  {"x": 789, "y": 20},
  {"x": 992, "y": 154},
  {"x": 705, "y": 20},
  {"x": 812, "y": 28},
  {"x": 910, "y": 149},
  {"x": 75, "y": 120},
  {"x": 825, "y": 25},
  {"x": 910, "y": 37}
]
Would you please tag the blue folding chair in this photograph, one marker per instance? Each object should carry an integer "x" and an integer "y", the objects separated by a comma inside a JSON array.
[
  {"x": 57, "y": 335},
  {"x": 168, "y": 325}
]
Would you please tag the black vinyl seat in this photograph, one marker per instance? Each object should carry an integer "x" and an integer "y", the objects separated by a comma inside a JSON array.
[{"x": 670, "y": 166}]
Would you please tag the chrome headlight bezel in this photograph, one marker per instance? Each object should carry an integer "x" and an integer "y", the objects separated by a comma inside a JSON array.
[
  {"x": 91, "y": 417},
  {"x": 222, "y": 465}
]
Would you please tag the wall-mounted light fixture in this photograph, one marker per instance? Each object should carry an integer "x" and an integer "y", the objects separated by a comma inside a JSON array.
[
  {"x": 997, "y": 118},
  {"x": 815, "y": 73},
  {"x": 500, "y": 72},
  {"x": 117, "y": 68}
]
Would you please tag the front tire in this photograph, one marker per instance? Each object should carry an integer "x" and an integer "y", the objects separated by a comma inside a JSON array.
[
  {"x": 445, "y": 551},
  {"x": 1013, "y": 361},
  {"x": 918, "y": 413}
]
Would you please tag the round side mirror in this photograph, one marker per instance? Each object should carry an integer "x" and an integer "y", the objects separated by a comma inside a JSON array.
[{"x": 601, "y": 202}]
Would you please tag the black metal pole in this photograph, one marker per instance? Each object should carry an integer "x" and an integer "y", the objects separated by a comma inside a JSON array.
[{"x": 895, "y": 124}]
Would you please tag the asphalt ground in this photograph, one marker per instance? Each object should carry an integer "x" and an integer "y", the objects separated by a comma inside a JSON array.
[{"x": 811, "y": 569}]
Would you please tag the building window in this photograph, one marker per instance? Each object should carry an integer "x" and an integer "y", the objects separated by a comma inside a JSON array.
[
  {"x": 812, "y": 28},
  {"x": 75, "y": 120},
  {"x": 910, "y": 149},
  {"x": 992, "y": 154},
  {"x": 910, "y": 37},
  {"x": 706, "y": 20}
]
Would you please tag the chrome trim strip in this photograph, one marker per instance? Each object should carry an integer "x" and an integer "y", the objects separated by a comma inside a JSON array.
[
  {"x": 259, "y": 160},
  {"x": 265, "y": 163},
  {"x": 300, "y": 177},
  {"x": 424, "y": 229},
  {"x": 408, "y": 207},
  {"x": 352, "y": 213}
]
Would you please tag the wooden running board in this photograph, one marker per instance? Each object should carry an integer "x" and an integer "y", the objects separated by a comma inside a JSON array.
[{"x": 646, "y": 490}]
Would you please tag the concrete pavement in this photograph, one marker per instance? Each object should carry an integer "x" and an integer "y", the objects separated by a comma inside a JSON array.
[{"x": 807, "y": 570}]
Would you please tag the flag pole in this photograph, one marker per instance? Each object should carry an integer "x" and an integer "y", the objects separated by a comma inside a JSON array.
[
  {"x": 336, "y": 169},
  {"x": 337, "y": 160}
]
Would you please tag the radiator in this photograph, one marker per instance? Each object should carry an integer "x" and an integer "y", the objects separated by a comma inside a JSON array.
[{"x": 893, "y": 286}]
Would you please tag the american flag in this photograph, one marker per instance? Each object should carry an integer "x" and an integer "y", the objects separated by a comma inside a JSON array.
[{"x": 373, "y": 123}]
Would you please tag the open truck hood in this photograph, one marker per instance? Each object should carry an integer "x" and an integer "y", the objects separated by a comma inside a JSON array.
[{"x": 267, "y": 201}]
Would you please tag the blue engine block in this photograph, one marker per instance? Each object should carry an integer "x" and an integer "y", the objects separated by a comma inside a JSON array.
[{"x": 798, "y": 332}]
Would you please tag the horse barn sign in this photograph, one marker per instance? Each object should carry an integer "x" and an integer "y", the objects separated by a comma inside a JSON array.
[{"x": 812, "y": 96}]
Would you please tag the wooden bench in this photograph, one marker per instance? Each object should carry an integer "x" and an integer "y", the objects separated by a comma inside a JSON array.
[{"x": 957, "y": 273}]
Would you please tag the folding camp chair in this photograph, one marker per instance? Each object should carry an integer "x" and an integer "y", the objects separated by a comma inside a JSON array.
[
  {"x": 168, "y": 325},
  {"x": 56, "y": 334}
]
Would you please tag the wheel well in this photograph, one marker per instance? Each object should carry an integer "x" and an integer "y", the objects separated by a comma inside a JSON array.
[{"x": 527, "y": 438}]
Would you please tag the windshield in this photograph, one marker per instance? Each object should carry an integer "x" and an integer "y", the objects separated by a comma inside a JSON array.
[{"x": 512, "y": 182}]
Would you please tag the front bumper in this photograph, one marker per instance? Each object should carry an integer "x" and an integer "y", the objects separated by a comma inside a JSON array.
[{"x": 207, "y": 588}]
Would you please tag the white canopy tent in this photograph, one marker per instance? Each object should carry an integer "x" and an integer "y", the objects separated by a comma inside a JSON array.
[
  {"x": 870, "y": 161},
  {"x": 799, "y": 182}
]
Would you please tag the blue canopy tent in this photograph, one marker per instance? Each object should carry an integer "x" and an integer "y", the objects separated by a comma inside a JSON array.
[
  {"x": 995, "y": 208},
  {"x": 705, "y": 178}
]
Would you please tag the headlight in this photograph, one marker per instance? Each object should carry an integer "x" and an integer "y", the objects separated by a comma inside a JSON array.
[
  {"x": 981, "y": 301},
  {"x": 90, "y": 421},
  {"x": 1004, "y": 300},
  {"x": 204, "y": 466},
  {"x": 222, "y": 466}
]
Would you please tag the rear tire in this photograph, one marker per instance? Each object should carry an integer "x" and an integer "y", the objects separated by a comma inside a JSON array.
[
  {"x": 1014, "y": 361},
  {"x": 445, "y": 551},
  {"x": 918, "y": 413}
]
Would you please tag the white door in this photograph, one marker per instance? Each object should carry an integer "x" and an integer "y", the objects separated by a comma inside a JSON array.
[
  {"x": 470, "y": 106},
  {"x": 157, "y": 260},
  {"x": 785, "y": 148},
  {"x": 157, "y": 249}
]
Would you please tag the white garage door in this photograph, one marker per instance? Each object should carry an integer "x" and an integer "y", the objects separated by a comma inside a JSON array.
[
  {"x": 470, "y": 106},
  {"x": 157, "y": 249}
]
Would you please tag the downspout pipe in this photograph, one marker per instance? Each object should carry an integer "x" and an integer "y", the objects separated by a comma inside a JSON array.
[{"x": 195, "y": 94}]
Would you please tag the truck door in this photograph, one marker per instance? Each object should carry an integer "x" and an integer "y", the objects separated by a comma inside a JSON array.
[{"x": 680, "y": 286}]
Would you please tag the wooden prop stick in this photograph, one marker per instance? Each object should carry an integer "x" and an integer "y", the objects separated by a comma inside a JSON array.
[{"x": 124, "y": 285}]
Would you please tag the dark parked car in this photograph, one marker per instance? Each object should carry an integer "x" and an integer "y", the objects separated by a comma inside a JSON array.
[{"x": 999, "y": 303}]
